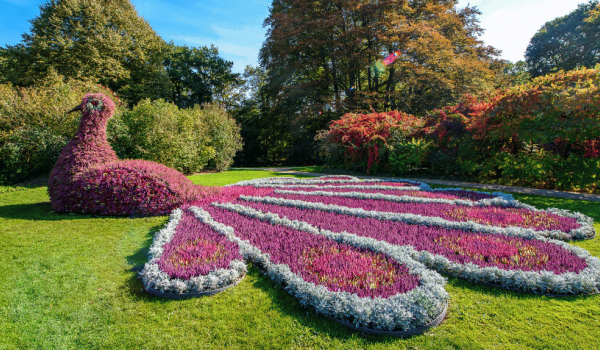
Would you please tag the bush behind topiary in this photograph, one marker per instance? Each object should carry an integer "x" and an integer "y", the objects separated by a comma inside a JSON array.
[
  {"x": 184, "y": 139},
  {"x": 34, "y": 125}
]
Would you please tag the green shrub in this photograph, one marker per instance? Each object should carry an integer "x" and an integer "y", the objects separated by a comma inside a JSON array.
[
  {"x": 184, "y": 139},
  {"x": 34, "y": 125},
  {"x": 26, "y": 153},
  {"x": 408, "y": 155},
  {"x": 224, "y": 134}
]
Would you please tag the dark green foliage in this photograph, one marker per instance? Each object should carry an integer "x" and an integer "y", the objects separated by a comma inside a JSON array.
[
  {"x": 198, "y": 75},
  {"x": 26, "y": 153},
  {"x": 104, "y": 41},
  {"x": 566, "y": 42}
]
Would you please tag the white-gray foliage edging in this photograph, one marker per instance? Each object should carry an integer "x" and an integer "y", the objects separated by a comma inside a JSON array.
[
  {"x": 586, "y": 281},
  {"x": 585, "y": 231},
  {"x": 154, "y": 278},
  {"x": 403, "y": 311}
]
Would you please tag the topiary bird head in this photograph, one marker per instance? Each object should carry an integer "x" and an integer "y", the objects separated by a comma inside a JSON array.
[{"x": 96, "y": 109}]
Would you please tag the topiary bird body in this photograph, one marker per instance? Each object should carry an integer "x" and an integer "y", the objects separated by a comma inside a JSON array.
[{"x": 89, "y": 177}]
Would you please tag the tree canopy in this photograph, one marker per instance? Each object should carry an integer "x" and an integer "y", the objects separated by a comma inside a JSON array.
[
  {"x": 315, "y": 52},
  {"x": 567, "y": 42},
  {"x": 198, "y": 74},
  {"x": 103, "y": 40}
]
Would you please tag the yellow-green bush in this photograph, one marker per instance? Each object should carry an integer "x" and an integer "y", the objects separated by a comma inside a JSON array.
[
  {"x": 184, "y": 139},
  {"x": 35, "y": 126}
]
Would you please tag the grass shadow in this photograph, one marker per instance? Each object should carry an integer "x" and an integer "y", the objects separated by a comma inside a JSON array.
[{"x": 307, "y": 317}]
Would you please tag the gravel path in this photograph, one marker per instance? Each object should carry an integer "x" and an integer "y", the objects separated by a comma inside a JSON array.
[{"x": 523, "y": 190}]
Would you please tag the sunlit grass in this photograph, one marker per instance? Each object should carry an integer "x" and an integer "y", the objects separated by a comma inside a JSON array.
[{"x": 67, "y": 283}]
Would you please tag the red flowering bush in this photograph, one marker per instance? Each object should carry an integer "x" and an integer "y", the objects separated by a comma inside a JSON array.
[{"x": 362, "y": 136}]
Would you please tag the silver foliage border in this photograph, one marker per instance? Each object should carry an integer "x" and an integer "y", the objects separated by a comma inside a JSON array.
[
  {"x": 403, "y": 311},
  {"x": 153, "y": 277},
  {"x": 542, "y": 282}
]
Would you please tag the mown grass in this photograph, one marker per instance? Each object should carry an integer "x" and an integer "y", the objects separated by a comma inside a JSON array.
[{"x": 67, "y": 283}]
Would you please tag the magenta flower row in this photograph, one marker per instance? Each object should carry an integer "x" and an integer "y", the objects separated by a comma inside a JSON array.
[
  {"x": 508, "y": 253},
  {"x": 490, "y": 215},
  {"x": 369, "y": 183},
  {"x": 338, "y": 267},
  {"x": 196, "y": 249},
  {"x": 452, "y": 195}
]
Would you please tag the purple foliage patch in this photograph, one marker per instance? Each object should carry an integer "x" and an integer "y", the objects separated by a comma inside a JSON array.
[
  {"x": 466, "y": 195},
  {"x": 319, "y": 260},
  {"x": 196, "y": 249},
  {"x": 370, "y": 183},
  {"x": 490, "y": 215},
  {"x": 508, "y": 253}
]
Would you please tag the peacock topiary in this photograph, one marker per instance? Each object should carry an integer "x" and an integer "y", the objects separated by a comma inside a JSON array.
[{"x": 89, "y": 177}]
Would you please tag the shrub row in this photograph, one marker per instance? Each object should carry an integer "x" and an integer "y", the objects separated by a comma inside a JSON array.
[
  {"x": 542, "y": 134},
  {"x": 34, "y": 127}
]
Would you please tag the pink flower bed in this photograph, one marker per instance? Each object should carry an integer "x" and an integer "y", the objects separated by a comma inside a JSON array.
[
  {"x": 509, "y": 253},
  {"x": 373, "y": 262},
  {"x": 496, "y": 216},
  {"x": 196, "y": 249},
  {"x": 321, "y": 261},
  {"x": 467, "y": 195}
]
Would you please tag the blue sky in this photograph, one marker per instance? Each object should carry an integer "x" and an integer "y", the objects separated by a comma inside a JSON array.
[{"x": 235, "y": 27}]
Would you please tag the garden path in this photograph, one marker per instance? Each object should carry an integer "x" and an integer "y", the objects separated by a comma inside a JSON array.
[{"x": 523, "y": 190}]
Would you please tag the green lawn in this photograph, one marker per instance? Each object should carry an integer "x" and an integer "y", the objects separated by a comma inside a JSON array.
[{"x": 67, "y": 284}]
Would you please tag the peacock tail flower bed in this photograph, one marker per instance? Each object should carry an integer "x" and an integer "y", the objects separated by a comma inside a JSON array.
[
  {"x": 528, "y": 263},
  {"x": 365, "y": 285},
  {"x": 366, "y": 256}
]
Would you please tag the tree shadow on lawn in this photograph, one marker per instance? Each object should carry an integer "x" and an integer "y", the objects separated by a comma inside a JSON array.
[
  {"x": 319, "y": 324},
  {"x": 43, "y": 211},
  {"x": 462, "y": 284}
]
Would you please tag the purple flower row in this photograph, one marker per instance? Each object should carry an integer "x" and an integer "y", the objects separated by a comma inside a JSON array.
[
  {"x": 508, "y": 253},
  {"x": 460, "y": 194},
  {"x": 338, "y": 267},
  {"x": 489, "y": 215},
  {"x": 196, "y": 249}
]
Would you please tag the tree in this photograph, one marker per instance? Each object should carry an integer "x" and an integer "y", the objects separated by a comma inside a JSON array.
[
  {"x": 567, "y": 42},
  {"x": 510, "y": 74},
  {"x": 199, "y": 75},
  {"x": 103, "y": 40},
  {"x": 266, "y": 135},
  {"x": 321, "y": 54}
]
